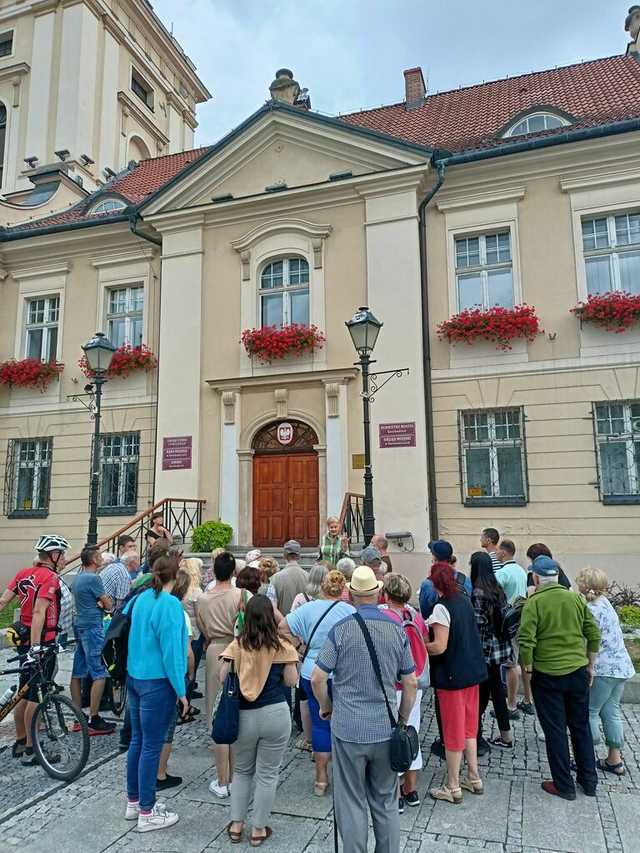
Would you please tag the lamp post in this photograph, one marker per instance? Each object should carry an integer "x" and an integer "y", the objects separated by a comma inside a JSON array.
[
  {"x": 364, "y": 329},
  {"x": 99, "y": 352}
]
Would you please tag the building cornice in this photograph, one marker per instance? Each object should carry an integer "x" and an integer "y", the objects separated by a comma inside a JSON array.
[
  {"x": 345, "y": 374},
  {"x": 24, "y": 273},
  {"x": 600, "y": 178},
  {"x": 18, "y": 69},
  {"x": 278, "y": 226},
  {"x": 144, "y": 120},
  {"x": 496, "y": 196}
]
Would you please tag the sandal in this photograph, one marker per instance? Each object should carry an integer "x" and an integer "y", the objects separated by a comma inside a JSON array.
[
  {"x": 236, "y": 837},
  {"x": 449, "y": 795},
  {"x": 257, "y": 840},
  {"x": 614, "y": 769},
  {"x": 473, "y": 785},
  {"x": 320, "y": 788}
]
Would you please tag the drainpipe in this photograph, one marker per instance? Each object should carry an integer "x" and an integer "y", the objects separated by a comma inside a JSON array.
[
  {"x": 432, "y": 499},
  {"x": 133, "y": 219}
]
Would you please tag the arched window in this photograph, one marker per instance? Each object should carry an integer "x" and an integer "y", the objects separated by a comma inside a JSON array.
[
  {"x": 3, "y": 134},
  {"x": 108, "y": 205},
  {"x": 284, "y": 293},
  {"x": 535, "y": 122}
]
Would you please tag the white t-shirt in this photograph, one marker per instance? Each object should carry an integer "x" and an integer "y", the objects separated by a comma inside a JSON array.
[{"x": 440, "y": 616}]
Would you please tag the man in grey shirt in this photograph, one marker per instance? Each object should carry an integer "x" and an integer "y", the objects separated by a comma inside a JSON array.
[
  {"x": 360, "y": 726},
  {"x": 291, "y": 580}
]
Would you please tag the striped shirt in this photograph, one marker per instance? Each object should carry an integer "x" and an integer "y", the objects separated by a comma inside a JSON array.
[
  {"x": 359, "y": 712},
  {"x": 495, "y": 561}
]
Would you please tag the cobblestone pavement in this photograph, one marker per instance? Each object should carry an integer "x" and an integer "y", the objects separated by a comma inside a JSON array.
[{"x": 514, "y": 815}]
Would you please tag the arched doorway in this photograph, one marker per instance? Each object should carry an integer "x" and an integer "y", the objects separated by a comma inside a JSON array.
[{"x": 285, "y": 485}]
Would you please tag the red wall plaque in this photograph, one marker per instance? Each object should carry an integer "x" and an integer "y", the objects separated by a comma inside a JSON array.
[
  {"x": 398, "y": 435},
  {"x": 176, "y": 452}
]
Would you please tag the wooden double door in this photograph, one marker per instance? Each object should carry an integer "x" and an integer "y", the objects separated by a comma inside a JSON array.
[{"x": 285, "y": 499}]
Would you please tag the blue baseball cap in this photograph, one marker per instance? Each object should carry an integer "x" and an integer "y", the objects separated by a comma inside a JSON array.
[
  {"x": 544, "y": 566},
  {"x": 441, "y": 549}
]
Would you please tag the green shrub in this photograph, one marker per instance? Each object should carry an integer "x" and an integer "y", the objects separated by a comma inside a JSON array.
[
  {"x": 210, "y": 535},
  {"x": 630, "y": 615}
]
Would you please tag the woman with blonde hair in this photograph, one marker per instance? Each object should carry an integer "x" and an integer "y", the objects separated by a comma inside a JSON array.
[
  {"x": 192, "y": 568},
  {"x": 268, "y": 566},
  {"x": 611, "y": 669},
  {"x": 310, "y": 624}
]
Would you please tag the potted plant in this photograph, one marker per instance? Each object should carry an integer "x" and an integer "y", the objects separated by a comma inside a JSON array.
[
  {"x": 210, "y": 535},
  {"x": 29, "y": 373},
  {"x": 271, "y": 342},
  {"x": 498, "y": 325},
  {"x": 615, "y": 311},
  {"x": 126, "y": 359}
]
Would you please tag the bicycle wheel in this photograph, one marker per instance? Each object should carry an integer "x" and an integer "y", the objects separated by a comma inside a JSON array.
[
  {"x": 60, "y": 737},
  {"x": 118, "y": 696}
]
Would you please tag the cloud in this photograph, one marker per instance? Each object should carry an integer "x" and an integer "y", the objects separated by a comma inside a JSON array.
[{"x": 351, "y": 53}]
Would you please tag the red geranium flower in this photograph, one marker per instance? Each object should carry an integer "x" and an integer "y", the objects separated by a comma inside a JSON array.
[
  {"x": 126, "y": 359},
  {"x": 616, "y": 311},
  {"x": 499, "y": 325},
  {"x": 29, "y": 373},
  {"x": 271, "y": 342}
]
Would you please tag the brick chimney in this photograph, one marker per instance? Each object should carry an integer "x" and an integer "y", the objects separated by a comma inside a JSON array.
[
  {"x": 632, "y": 26},
  {"x": 414, "y": 88}
]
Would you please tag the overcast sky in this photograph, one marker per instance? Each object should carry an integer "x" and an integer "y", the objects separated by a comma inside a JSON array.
[{"x": 350, "y": 54}]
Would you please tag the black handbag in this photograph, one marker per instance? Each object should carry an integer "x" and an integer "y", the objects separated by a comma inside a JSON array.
[
  {"x": 226, "y": 721},
  {"x": 404, "y": 744}
]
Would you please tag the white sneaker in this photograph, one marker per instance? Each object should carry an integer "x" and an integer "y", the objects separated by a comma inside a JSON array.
[
  {"x": 133, "y": 810},
  {"x": 159, "y": 818},
  {"x": 221, "y": 791}
]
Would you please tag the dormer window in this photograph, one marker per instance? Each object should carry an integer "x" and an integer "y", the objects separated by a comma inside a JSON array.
[
  {"x": 534, "y": 123},
  {"x": 108, "y": 205}
]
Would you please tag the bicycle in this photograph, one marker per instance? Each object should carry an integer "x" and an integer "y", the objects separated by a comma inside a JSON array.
[{"x": 59, "y": 729}]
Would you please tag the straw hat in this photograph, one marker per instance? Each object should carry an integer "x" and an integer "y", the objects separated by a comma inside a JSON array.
[{"x": 363, "y": 581}]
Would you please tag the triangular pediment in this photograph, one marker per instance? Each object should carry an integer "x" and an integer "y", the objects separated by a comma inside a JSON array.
[{"x": 283, "y": 147}]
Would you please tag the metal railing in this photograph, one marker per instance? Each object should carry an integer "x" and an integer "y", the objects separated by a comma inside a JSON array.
[
  {"x": 180, "y": 516},
  {"x": 352, "y": 518}
]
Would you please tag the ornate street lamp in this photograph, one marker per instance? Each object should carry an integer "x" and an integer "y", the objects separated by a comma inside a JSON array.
[
  {"x": 364, "y": 329},
  {"x": 99, "y": 352}
]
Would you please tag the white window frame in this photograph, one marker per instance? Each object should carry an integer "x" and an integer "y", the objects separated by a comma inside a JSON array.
[
  {"x": 109, "y": 205},
  {"x": 286, "y": 289},
  {"x": 47, "y": 325},
  {"x": 544, "y": 113},
  {"x": 120, "y": 507},
  {"x": 37, "y": 465},
  {"x": 149, "y": 100},
  {"x": 613, "y": 251},
  {"x": 12, "y": 52},
  {"x": 630, "y": 437},
  {"x": 39, "y": 284},
  {"x": 492, "y": 443},
  {"x": 128, "y": 315},
  {"x": 483, "y": 268}
]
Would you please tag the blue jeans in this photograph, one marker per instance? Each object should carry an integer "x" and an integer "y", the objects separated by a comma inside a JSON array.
[
  {"x": 604, "y": 704},
  {"x": 152, "y": 704}
]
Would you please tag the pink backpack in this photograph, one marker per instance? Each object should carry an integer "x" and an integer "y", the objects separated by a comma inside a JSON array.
[{"x": 416, "y": 641}]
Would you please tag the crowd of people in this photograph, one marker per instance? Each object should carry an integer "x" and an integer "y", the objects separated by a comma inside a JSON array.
[{"x": 333, "y": 648}]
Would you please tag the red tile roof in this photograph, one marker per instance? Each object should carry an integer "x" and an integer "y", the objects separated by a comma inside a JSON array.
[
  {"x": 593, "y": 92},
  {"x": 133, "y": 185}
]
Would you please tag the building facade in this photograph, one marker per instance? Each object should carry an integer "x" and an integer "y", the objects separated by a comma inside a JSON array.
[
  {"x": 517, "y": 192},
  {"x": 86, "y": 86}
]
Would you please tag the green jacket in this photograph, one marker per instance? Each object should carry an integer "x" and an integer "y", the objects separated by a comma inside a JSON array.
[{"x": 556, "y": 631}]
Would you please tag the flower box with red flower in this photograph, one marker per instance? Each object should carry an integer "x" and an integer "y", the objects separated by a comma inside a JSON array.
[
  {"x": 498, "y": 325},
  {"x": 126, "y": 359},
  {"x": 271, "y": 343},
  {"x": 29, "y": 373},
  {"x": 614, "y": 311}
]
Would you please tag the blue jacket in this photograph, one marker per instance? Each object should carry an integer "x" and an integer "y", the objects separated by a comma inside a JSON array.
[
  {"x": 158, "y": 639},
  {"x": 428, "y": 597}
]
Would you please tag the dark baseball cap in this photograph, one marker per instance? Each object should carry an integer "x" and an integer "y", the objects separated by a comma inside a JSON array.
[{"x": 441, "y": 549}]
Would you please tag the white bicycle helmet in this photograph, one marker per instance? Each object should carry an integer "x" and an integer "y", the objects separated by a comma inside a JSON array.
[{"x": 51, "y": 542}]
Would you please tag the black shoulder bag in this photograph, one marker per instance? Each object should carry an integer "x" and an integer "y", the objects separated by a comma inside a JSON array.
[
  {"x": 404, "y": 744},
  {"x": 297, "y": 718}
]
